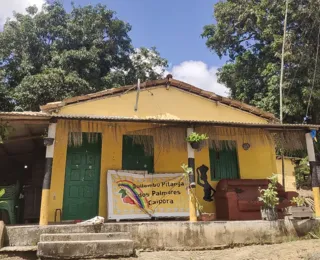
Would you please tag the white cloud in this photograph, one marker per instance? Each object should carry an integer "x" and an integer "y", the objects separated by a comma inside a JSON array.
[
  {"x": 8, "y": 6},
  {"x": 198, "y": 73}
]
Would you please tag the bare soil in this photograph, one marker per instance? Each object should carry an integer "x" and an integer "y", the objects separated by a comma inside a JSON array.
[{"x": 304, "y": 249}]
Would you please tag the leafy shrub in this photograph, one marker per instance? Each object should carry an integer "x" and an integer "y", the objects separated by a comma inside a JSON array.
[
  {"x": 302, "y": 170},
  {"x": 299, "y": 201},
  {"x": 269, "y": 196}
]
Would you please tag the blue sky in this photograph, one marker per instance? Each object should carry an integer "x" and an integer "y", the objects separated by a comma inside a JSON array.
[{"x": 173, "y": 26}]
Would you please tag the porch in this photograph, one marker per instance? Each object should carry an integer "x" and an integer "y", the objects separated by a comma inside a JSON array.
[
  {"x": 252, "y": 146},
  {"x": 22, "y": 166}
]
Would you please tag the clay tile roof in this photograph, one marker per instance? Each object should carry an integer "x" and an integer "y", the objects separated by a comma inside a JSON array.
[{"x": 51, "y": 107}]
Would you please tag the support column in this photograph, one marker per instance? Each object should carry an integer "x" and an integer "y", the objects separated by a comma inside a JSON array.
[
  {"x": 313, "y": 167},
  {"x": 192, "y": 184},
  {"x": 49, "y": 142}
]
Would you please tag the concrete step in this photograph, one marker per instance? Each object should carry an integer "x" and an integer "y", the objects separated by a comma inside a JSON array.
[
  {"x": 7, "y": 249},
  {"x": 84, "y": 236},
  {"x": 85, "y": 249}
]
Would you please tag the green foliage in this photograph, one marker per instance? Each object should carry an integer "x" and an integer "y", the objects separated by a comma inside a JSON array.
[
  {"x": 195, "y": 137},
  {"x": 2, "y": 192},
  {"x": 269, "y": 196},
  {"x": 51, "y": 54},
  {"x": 250, "y": 33},
  {"x": 302, "y": 170},
  {"x": 187, "y": 170},
  {"x": 5, "y": 131},
  {"x": 299, "y": 201}
]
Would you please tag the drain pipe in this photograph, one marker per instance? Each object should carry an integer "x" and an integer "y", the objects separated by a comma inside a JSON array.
[
  {"x": 138, "y": 93},
  {"x": 49, "y": 142}
]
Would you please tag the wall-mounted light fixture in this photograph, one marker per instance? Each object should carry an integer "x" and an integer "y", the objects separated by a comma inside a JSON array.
[
  {"x": 246, "y": 146},
  {"x": 48, "y": 141}
]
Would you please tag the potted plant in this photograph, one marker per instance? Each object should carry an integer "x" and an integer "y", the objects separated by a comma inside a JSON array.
[
  {"x": 300, "y": 209},
  {"x": 196, "y": 140},
  {"x": 270, "y": 199}
]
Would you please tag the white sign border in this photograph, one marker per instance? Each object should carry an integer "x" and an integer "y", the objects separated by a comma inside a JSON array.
[{"x": 113, "y": 216}]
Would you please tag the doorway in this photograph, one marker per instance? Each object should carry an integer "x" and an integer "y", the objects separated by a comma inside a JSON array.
[{"x": 82, "y": 179}]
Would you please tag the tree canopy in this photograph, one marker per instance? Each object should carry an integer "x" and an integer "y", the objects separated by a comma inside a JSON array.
[
  {"x": 250, "y": 33},
  {"x": 47, "y": 55}
]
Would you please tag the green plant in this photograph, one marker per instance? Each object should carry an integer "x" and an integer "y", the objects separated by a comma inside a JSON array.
[
  {"x": 2, "y": 192},
  {"x": 269, "y": 196},
  {"x": 5, "y": 131},
  {"x": 188, "y": 171},
  {"x": 299, "y": 201},
  {"x": 302, "y": 170},
  {"x": 195, "y": 137}
]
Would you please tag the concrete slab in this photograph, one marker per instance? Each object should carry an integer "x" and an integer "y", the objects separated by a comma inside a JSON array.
[
  {"x": 85, "y": 249},
  {"x": 18, "y": 249},
  {"x": 178, "y": 234},
  {"x": 84, "y": 236}
]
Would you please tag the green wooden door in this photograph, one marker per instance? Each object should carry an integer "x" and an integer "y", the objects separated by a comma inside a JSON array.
[
  {"x": 82, "y": 178},
  {"x": 224, "y": 162}
]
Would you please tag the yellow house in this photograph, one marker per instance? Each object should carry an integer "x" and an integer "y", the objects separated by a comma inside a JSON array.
[{"x": 107, "y": 131}]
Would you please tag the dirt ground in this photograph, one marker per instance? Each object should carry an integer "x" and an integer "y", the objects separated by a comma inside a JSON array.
[{"x": 305, "y": 249}]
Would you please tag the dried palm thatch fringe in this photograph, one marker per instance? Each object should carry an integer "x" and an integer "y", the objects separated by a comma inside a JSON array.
[
  {"x": 289, "y": 140},
  {"x": 233, "y": 136},
  {"x": 169, "y": 137},
  {"x": 166, "y": 138},
  {"x": 76, "y": 131}
]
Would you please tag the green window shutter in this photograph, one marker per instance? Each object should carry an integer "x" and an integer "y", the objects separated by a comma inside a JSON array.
[
  {"x": 224, "y": 162},
  {"x": 134, "y": 156}
]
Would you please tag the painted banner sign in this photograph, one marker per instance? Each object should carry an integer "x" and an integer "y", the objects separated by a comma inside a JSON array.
[{"x": 142, "y": 196}]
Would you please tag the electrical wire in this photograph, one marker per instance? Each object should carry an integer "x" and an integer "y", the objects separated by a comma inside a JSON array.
[
  {"x": 314, "y": 73},
  {"x": 302, "y": 56}
]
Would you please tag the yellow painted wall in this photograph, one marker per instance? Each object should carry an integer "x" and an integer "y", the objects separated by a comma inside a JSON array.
[
  {"x": 257, "y": 162},
  {"x": 290, "y": 179},
  {"x": 172, "y": 103}
]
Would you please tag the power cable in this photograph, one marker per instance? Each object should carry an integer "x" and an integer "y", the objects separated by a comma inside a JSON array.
[{"x": 314, "y": 73}]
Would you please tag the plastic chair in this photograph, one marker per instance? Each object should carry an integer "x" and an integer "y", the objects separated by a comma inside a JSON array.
[{"x": 9, "y": 201}]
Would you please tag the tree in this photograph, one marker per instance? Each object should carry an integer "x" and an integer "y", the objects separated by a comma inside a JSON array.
[
  {"x": 50, "y": 54},
  {"x": 250, "y": 33}
]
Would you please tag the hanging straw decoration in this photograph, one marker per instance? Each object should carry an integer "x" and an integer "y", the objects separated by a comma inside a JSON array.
[
  {"x": 73, "y": 128},
  {"x": 234, "y": 135},
  {"x": 166, "y": 137},
  {"x": 289, "y": 141},
  {"x": 76, "y": 133},
  {"x": 169, "y": 137}
]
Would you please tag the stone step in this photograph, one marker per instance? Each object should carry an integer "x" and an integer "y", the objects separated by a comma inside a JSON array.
[
  {"x": 84, "y": 236},
  {"x": 85, "y": 249}
]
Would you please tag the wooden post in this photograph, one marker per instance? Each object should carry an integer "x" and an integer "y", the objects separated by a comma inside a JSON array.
[
  {"x": 44, "y": 211},
  {"x": 315, "y": 183},
  {"x": 283, "y": 172},
  {"x": 192, "y": 184}
]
